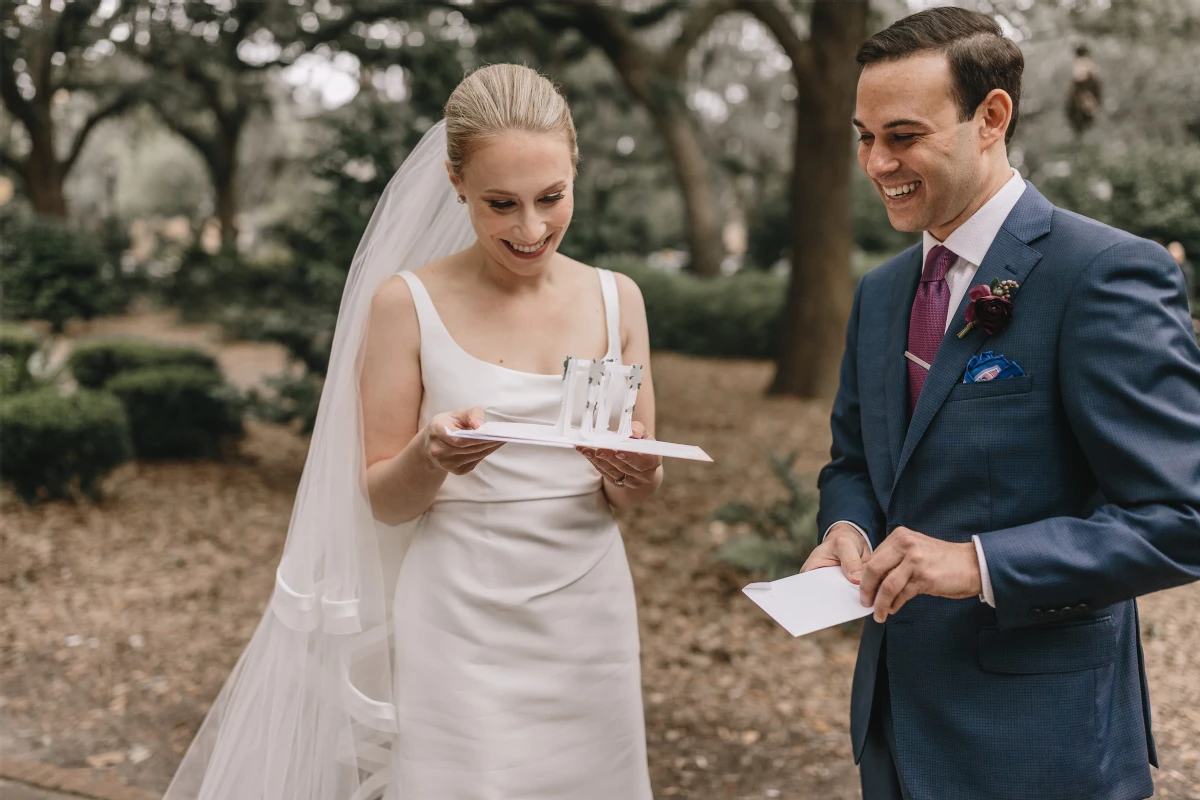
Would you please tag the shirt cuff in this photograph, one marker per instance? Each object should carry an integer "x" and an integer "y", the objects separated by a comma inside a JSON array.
[
  {"x": 984, "y": 578},
  {"x": 866, "y": 538}
]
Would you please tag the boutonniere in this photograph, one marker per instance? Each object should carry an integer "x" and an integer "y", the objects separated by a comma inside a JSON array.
[{"x": 990, "y": 306}]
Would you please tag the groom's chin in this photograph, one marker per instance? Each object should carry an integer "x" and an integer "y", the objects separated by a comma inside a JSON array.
[{"x": 905, "y": 223}]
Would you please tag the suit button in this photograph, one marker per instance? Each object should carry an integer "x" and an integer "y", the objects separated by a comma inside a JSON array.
[
  {"x": 1035, "y": 613},
  {"x": 1068, "y": 610},
  {"x": 1051, "y": 613},
  {"x": 1082, "y": 607}
]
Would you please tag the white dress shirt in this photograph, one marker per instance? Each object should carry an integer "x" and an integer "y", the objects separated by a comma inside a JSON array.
[{"x": 970, "y": 242}]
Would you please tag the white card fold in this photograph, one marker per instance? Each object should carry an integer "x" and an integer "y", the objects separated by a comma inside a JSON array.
[
  {"x": 547, "y": 436},
  {"x": 810, "y": 601}
]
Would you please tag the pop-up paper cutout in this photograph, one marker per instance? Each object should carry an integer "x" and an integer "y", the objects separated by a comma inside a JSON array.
[{"x": 596, "y": 385}]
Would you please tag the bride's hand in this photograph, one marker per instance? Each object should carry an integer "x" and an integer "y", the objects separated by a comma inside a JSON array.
[
  {"x": 637, "y": 468},
  {"x": 450, "y": 453}
]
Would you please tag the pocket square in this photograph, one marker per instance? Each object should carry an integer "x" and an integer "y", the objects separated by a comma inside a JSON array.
[{"x": 988, "y": 367}]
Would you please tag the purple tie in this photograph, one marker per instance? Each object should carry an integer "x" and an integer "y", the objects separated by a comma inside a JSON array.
[{"x": 927, "y": 325}]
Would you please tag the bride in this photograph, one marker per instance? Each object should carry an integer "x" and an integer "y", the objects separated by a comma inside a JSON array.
[{"x": 454, "y": 619}]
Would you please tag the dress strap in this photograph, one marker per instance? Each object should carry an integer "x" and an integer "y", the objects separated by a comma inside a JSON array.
[
  {"x": 612, "y": 312},
  {"x": 428, "y": 318}
]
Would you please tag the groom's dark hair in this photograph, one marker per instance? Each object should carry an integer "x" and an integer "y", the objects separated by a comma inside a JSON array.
[{"x": 981, "y": 58}]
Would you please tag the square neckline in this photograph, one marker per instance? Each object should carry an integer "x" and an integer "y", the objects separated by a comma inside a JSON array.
[{"x": 612, "y": 336}]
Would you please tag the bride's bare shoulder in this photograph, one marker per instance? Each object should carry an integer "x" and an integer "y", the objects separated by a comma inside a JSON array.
[
  {"x": 395, "y": 295},
  {"x": 582, "y": 272},
  {"x": 627, "y": 289}
]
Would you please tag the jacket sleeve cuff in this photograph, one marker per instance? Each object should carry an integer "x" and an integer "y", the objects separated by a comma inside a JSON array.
[
  {"x": 984, "y": 578},
  {"x": 860, "y": 530}
]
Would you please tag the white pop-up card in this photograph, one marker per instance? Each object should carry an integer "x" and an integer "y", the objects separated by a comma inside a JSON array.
[{"x": 599, "y": 386}]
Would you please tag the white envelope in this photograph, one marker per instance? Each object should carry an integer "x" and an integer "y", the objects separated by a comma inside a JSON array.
[{"x": 810, "y": 601}]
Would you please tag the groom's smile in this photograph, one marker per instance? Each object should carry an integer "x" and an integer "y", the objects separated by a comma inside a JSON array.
[
  {"x": 901, "y": 191},
  {"x": 901, "y": 195}
]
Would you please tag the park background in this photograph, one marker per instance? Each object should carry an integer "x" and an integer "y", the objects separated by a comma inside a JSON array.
[{"x": 182, "y": 187}]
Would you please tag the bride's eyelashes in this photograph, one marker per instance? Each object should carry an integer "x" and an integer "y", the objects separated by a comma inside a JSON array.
[{"x": 504, "y": 205}]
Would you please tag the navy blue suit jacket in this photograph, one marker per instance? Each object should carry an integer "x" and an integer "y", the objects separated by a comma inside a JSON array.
[{"x": 1082, "y": 480}]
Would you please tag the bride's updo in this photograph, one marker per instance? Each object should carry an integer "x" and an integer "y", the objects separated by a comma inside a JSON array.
[{"x": 499, "y": 98}]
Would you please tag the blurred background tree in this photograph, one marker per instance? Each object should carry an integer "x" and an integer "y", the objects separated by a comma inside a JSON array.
[{"x": 58, "y": 83}]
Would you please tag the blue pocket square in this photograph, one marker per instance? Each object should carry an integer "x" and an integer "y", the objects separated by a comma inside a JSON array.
[{"x": 988, "y": 367}]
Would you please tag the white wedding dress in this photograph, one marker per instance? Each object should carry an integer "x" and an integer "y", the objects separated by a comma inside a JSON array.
[{"x": 517, "y": 670}]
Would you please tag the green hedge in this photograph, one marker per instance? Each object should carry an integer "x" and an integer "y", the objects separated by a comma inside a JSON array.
[
  {"x": 739, "y": 316},
  {"x": 17, "y": 346},
  {"x": 727, "y": 317},
  {"x": 94, "y": 363},
  {"x": 178, "y": 411},
  {"x": 1149, "y": 191},
  {"x": 56, "y": 445},
  {"x": 54, "y": 272},
  {"x": 288, "y": 398}
]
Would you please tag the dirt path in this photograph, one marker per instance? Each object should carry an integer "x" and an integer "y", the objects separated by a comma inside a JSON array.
[{"x": 120, "y": 621}]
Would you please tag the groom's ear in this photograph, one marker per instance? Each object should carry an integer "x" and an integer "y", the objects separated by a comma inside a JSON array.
[{"x": 995, "y": 115}]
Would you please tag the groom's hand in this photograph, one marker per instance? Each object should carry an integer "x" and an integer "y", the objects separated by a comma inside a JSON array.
[
  {"x": 909, "y": 563},
  {"x": 843, "y": 546}
]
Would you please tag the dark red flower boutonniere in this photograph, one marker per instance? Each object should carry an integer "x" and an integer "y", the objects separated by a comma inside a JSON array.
[{"x": 990, "y": 306}]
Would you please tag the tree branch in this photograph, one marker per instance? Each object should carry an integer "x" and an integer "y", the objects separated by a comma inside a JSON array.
[
  {"x": 777, "y": 22},
  {"x": 695, "y": 24},
  {"x": 650, "y": 17},
  {"x": 482, "y": 12},
  {"x": 194, "y": 136},
  {"x": 245, "y": 14},
  {"x": 118, "y": 105},
  {"x": 194, "y": 73},
  {"x": 604, "y": 27},
  {"x": 68, "y": 31},
  {"x": 71, "y": 21}
]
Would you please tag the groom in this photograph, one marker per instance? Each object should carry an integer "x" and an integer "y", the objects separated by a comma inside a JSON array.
[{"x": 1002, "y": 490}]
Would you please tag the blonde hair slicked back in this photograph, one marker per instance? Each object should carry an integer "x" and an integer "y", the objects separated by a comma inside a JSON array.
[{"x": 499, "y": 98}]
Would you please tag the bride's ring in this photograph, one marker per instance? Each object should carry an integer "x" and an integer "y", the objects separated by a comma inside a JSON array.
[{"x": 621, "y": 480}]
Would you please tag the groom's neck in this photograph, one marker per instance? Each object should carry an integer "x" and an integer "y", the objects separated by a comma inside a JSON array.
[{"x": 997, "y": 172}]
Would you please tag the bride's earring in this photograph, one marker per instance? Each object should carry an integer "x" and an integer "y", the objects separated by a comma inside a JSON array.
[{"x": 462, "y": 199}]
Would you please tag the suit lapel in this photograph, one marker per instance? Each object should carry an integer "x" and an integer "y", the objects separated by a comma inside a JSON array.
[
  {"x": 895, "y": 390},
  {"x": 1009, "y": 258}
]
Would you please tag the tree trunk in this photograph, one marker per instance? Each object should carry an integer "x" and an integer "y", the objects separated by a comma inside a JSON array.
[
  {"x": 703, "y": 215},
  {"x": 820, "y": 290},
  {"x": 44, "y": 176},
  {"x": 225, "y": 184},
  {"x": 226, "y": 208},
  {"x": 663, "y": 100}
]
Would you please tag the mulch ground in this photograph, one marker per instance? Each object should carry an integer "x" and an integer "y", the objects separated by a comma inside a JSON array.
[{"x": 121, "y": 619}]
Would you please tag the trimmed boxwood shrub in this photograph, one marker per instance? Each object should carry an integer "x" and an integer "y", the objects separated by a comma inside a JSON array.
[
  {"x": 178, "y": 411},
  {"x": 17, "y": 346},
  {"x": 56, "y": 273},
  {"x": 54, "y": 446},
  {"x": 94, "y": 363}
]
